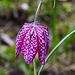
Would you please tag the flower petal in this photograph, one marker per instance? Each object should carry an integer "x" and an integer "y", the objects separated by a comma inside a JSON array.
[
  {"x": 42, "y": 48},
  {"x": 25, "y": 46},
  {"x": 19, "y": 39},
  {"x": 46, "y": 34},
  {"x": 30, "y": 46}
]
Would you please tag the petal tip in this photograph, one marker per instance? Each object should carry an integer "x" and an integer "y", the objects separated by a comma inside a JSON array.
[
  {"x": 16, "y": 55},
  {"x": 43, "y": 63},
  {"x": 27, "y": 62}
]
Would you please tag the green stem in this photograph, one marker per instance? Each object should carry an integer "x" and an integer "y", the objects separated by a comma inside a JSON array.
[
  {"x": 34, "y": 64},
  {"x": 54, "y": 4},
  {"x": 55, "y": 49},
  {"x": 37, "y": 12},
  {"x": 54, "y": 24},
  {"x": 39, "y": 1}
]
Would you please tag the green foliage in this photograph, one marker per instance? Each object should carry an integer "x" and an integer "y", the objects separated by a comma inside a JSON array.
[
  {"x": 5, "y": 3},
  {"x": 2, "y": 72},
  {"x": 9, "y": 54},
  {"x": 23, "y": 67},
  {"x": 4, "y": 7}
]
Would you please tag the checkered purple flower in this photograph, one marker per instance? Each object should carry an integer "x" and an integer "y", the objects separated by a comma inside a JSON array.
[{"x": 32, "y": 39}]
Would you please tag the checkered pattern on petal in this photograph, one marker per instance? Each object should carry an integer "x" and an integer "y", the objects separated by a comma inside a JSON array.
[
  {"x": 33, "y": 45},
  {"x": 41, "y": 43},
  {"x": 46, "y": 34},
  {"x": 25, "y": 47},
  {"x": 19, "y": 39},
  {"x": 30, "y": 46}
]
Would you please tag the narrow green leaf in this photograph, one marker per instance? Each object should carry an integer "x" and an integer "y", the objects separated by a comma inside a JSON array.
[{"x": 55, "y": 49}]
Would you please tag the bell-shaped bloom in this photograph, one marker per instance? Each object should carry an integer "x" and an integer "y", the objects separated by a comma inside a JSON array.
[{"x": 32, "y": 39}]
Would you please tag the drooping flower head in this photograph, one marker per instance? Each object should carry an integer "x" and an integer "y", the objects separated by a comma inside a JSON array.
[{"x": 32, "y": 39}]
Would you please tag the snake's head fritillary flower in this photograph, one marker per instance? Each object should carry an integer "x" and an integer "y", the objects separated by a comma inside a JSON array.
[{"x": 32, "y": 39}]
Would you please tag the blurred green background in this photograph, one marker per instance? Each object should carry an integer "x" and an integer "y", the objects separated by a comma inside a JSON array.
[{"x": 59, "y": 20}]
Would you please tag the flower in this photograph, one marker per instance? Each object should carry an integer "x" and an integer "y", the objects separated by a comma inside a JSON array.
[{"x": 32, "y": 39}]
